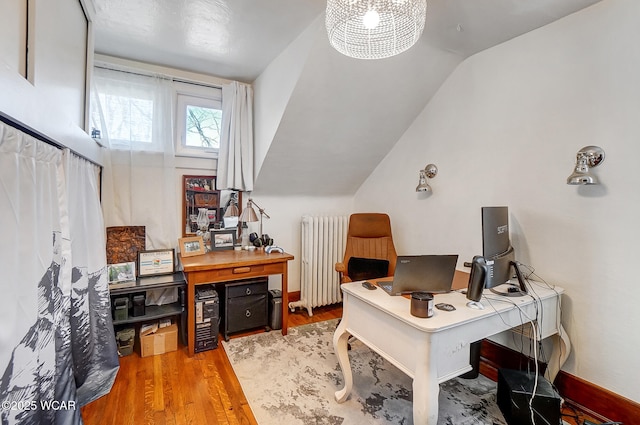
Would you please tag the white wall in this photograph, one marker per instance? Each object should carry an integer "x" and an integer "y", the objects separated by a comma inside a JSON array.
[
  {"x": 52, "y": 99},
  {"x": 273, "y": 88},
  {"x": 504, "y": 130},
  {"x": 284, "y": 227}
]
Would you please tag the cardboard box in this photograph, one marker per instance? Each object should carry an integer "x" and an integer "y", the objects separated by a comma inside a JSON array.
[{"x": 158, "y": 340}]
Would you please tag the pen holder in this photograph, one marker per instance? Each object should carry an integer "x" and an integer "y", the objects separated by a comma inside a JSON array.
[{"x": 421, "y": 304}]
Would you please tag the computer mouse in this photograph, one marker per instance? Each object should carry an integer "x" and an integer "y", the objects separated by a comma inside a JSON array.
[
  {"x": 445, "y": 307},
  {"x": 369, "y": 285}
]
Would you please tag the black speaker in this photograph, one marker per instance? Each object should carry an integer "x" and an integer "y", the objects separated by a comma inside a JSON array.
[
  {"x": 138, "y": 305},
  {"x": 476, "y": 278},
  {"x": 515, "y": 389}
]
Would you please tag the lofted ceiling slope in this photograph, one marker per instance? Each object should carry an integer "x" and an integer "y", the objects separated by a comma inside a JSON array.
[{"x": 343, "y": 115}]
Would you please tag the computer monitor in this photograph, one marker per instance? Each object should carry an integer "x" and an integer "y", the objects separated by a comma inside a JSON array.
[
  {"x": 495, "y": 231},
  {"x": 494, "y": 267},
  {"x": 496, "y": 245}
]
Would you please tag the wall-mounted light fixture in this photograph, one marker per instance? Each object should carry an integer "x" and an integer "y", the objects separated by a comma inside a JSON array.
[
  {"x": 586, "y": 158},
  {"x": 429, "y": 172}
]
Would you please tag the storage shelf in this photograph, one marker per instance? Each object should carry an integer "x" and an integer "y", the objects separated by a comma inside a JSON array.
[
  {"x": 143, "y": 284},
  {"x": 153, "y": 312}
]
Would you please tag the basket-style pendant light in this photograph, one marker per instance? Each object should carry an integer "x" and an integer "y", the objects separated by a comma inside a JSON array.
[{"x": 374, "y": 29}]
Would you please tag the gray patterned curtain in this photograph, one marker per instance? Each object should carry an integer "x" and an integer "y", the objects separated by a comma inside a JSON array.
[{"x": 57, "y": 350}]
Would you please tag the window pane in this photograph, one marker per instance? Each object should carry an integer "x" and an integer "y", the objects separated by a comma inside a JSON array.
[
  {"x": 128, "y": 120},
  {"x": 203, "y": 127}
]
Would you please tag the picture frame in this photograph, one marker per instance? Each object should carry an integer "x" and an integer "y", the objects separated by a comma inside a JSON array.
[
  {"x": 191, "y": 246},
  {"x": 156, "y": 262},
  {"x": 121, "y": 273},
  {"x": 223, "y": 239},
  {"x": 198, "y": 192}
]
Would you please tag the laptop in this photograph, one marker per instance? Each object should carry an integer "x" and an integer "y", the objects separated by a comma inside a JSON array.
[{"x": 424, "y": 273}]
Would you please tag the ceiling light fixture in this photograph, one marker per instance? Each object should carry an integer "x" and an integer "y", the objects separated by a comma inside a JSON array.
[{"x": 374, "y": 29}]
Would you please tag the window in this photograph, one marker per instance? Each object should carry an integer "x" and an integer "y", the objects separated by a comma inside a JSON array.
[
  {"x": 129, "y": 120},
  {"x": 199, "y": 122},
  {"x": 147, "y": 113},
  {"x": 132, "y": 112}
]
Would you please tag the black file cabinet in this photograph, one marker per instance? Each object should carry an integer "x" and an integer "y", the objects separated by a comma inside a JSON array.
[{"x": 246, "y": 305}]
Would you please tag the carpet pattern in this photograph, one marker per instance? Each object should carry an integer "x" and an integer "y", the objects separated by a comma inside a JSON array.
[{"x": 292, "y": 379}]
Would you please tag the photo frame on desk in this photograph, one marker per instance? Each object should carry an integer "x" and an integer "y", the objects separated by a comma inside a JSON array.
[
  {"x": 223, "y": 239},
  {"x": 156, "y": 262},
  {"x": 121, "y": 275},
  {"x": 191, "y": 246}
]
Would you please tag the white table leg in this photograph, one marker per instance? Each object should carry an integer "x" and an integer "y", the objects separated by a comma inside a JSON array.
[
  {"x": 340, "y": 340},
  {"x": 425, "y": 387},
  {"x": 559, "y": 354}
]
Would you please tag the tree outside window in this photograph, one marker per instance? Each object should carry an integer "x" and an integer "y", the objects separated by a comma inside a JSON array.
[{"x": 203, "y": 127}]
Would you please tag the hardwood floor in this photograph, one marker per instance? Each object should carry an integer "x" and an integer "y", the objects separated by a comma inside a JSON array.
[{"x": 175, "y": 389}]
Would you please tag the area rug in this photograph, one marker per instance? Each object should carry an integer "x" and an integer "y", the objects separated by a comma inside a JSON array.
[{"x": 292, "y": 380}]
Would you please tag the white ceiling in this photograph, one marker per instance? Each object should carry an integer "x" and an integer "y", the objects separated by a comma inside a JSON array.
[
  {"x": 238, "y": 39},
  {"x": 234, "y": 39}
]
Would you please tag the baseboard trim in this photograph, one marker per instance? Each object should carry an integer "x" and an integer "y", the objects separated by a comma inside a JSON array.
[
  {"x": 590, "y": 398},
  {"x": 294, "y": 296}
]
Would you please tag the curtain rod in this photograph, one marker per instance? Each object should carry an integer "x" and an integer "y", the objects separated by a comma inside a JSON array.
[
  {"x": 155, "y": 74},
  {"x": 43, "y": 138}
]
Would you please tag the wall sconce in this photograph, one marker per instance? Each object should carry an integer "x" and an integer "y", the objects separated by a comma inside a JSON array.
[
  {"x": 586, "y": 158},
  {"x": 430, "y": 171}
]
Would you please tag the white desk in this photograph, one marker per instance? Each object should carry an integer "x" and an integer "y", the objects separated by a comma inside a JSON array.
[{"x": 436, "y": 349}]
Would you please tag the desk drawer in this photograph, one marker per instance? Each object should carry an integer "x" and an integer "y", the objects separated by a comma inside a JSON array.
[
  {"x": 246, "y": 312},
  {"x": 235, "y": 290},
  {"x": 240, "y": 272}
]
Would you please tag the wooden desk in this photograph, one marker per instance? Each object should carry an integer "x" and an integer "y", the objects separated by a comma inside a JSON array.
[
  {"x": 436, "y": 349},
  {"x": 226, "y": 266}
]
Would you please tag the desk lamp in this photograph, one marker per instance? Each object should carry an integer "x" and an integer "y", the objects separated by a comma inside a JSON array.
[
  {"x": 249, "y": 215},
  {"x": 232, "y": 210}
]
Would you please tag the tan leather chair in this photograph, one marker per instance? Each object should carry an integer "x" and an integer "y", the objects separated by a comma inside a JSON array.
[{"x": 368, "y": 236}]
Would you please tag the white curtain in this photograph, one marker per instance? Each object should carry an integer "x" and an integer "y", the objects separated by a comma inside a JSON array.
[
  {"x": 139, "y": 182},
  {"x": 56, "y": 343},
  {"x": 235, "y": 161}
]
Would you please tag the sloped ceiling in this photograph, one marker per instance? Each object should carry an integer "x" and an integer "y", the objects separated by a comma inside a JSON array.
[{"x": 342, "y": 115}]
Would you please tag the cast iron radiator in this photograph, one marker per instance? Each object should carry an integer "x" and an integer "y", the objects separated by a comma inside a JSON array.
[{"x": 323, "y": 244}]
